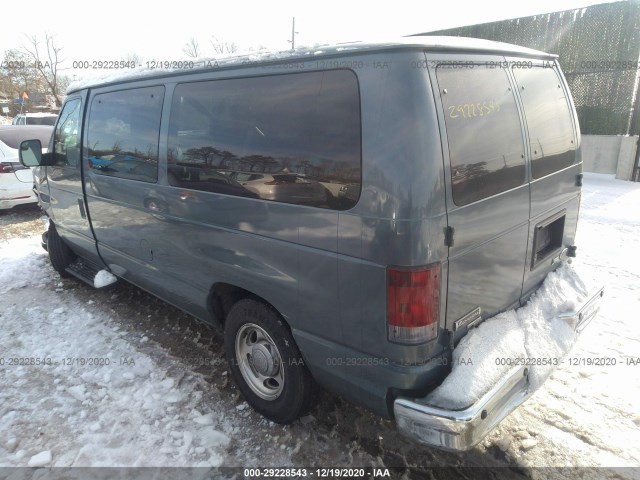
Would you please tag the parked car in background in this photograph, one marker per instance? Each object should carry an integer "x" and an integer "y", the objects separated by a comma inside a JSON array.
[
  {"x": 16, "y": 180},
  {"x": 208, "y": 180},
  {"x": 283, "y": 187},
  {"x": 35, "y": 119}
]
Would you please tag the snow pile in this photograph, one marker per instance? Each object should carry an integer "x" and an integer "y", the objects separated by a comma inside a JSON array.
[
  {"x": 40, "y": 460},
  {"x": 22, "y": 264},
  {"x": 535, "y": 331},
  {"x": 104, "y": 278}
]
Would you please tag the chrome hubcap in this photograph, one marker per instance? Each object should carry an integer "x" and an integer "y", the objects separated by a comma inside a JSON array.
[{"x": 259, "y": 361}]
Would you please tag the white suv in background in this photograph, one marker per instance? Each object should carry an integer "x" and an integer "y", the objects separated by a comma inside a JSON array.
[{"x": 35, "y": 119}]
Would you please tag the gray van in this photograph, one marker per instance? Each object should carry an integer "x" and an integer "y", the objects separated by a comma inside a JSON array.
[{"x": 346, "y": 215}]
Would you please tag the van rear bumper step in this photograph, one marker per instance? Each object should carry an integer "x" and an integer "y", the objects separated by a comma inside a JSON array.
[
  {"x": 460, "y": 430},
  {"x": 581, "y": 318}
]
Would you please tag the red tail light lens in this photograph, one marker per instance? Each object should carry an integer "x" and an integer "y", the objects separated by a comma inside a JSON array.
[
  {"x": 413, "y": 304},
  {"x": 11, "y": 167}
]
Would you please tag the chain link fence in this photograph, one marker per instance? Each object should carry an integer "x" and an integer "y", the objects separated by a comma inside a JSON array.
[{"x": 599, "y": 51}]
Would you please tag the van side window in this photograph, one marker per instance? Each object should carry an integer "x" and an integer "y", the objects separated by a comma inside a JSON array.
[
  {"x": 124, "y": 130},
  {"x": 546, "y": 109},
  {"x": 66, "y": 142},
  {"x": 483, "y": 130},
  {"x": 291, "y": 138}
]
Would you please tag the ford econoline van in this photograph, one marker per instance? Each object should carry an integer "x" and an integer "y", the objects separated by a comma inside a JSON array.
[{"x": 346, "y": 215}]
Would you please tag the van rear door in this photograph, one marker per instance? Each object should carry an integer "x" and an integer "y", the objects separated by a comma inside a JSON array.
[
  {"x": 487, "y": 188},
  {"x": 555, "y": 167}
]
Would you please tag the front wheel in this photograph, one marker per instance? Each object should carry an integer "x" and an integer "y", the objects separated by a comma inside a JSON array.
[
  {"x": 265, "y": 362},
  {"x": 60, "y": 254}
]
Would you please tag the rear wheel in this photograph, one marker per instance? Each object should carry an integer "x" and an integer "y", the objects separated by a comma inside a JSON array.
[
  {"x": 60, "y": 254},
  {"x": 266, "y": 364}
]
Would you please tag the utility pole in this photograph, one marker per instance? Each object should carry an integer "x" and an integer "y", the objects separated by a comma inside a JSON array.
[
  {"x": 634, "y": 129},
  {"x": 293, "y": 34}
]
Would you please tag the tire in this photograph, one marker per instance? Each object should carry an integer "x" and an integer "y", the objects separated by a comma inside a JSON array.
[
  {"x": 60, "y": 254},
  {"x": 266, "y": 364}
]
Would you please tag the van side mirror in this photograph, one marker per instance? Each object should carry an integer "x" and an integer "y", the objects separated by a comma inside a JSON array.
[{"x": 30, "y": 153}]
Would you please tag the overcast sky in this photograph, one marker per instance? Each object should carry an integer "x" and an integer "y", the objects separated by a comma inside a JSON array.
[{"x": 114, "y": 29}]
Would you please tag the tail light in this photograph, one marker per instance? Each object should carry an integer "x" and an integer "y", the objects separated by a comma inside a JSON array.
[
  {"x": 413, "y": 304},
  {"x": 11, "y": 167}
]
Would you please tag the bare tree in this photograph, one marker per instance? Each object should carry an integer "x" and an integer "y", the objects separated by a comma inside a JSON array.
[
  {"x": 220, "y": 46},
  {"x": 191, "y": 48},
  {"x": 17, "y": 74},
  {"x": 47, "y": 64},
  {"x": 17, "y": 77},
  {"x": 134, "y": 58}
]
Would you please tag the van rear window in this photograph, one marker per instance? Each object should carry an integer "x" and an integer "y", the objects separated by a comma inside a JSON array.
[
  {"x": 291, "y": 138},
  {"x": 551, "y": 136},
  {"x": 483, "y": 130}
]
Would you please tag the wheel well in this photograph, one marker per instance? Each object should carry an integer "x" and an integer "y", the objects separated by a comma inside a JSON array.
[{"x": 224, "y": 295}]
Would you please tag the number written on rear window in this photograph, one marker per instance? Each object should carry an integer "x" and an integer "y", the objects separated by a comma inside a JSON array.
[{"x": 483, "y": 131}]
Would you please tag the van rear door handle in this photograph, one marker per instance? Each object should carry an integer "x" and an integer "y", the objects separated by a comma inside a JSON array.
[
  {"x": 448, "y": 236},
  {"x": 83, "y": 213}
]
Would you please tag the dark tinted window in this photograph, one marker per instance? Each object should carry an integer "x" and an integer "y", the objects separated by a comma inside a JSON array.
[
  {"x": 66, "y": 142},
  {"x": 288, "y": 138},
  {"x": 123, "y": 134},
  {"x": 49, "y": 120},
  {"x": 548, "y": 120},
  {"x": 483, "y": 130}
]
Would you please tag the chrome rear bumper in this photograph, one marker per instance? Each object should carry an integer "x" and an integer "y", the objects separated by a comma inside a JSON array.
[
  {"x": 460, "y": 430},
  {"x": 583, "y": 316}
]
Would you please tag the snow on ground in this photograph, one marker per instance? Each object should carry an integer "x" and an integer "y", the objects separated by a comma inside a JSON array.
[
  {"x": 96, "y": 400},
  {"x": 135, "y": 404},
  {"x": 588, "y": 411}
]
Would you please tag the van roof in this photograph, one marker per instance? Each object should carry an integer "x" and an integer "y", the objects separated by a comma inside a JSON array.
[{"x": 423, "y": 42}]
